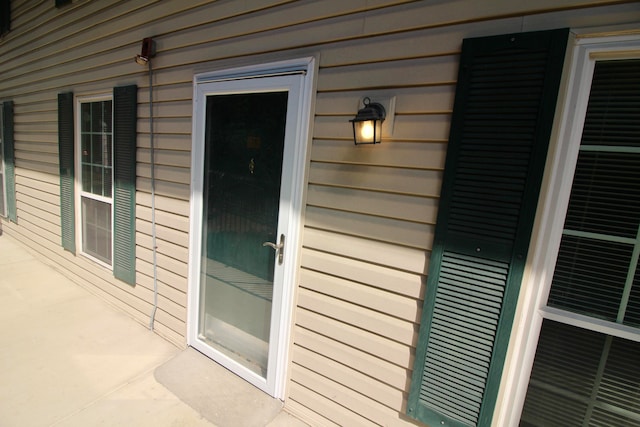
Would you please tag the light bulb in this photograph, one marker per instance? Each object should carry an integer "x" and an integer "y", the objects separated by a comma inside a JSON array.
[{"x": 366, "y": 131}]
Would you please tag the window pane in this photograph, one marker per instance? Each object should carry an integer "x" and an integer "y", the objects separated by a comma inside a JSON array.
[
  {"x": 96, "y": 180},
  {"x": 86, "y": 177},
  {"x": 605, "y": 194},
  {"x": 614, "y": 102},
  {"x": 85, "y": 117},
  {"x": 590, "y": 276},
  {"x": 632, "y": 315},
  {"x": 96, "y": 141},
  {"x": 580, "y": 375},
  {"x": 96, "y": 229},
  {"x": 96, "y": 149}
]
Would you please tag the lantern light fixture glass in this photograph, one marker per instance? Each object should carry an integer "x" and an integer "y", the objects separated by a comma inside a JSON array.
[{"x": 367, "y": 124}]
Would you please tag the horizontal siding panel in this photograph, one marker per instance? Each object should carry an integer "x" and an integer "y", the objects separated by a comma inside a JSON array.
[
  {"x": 168, "y": 263},
  {"x": 176, "y": 206},
  {"x": 177, "y": 296},
  {"x": 35, "y": 200},
  {"x": 43, "y": 226},
  {"x": 306, "y": 404},
  {"x": 36, "y": 126},
  {"x": 168, "y": 234},
  {"x": 164, "y": 173},
  {"x": 170, "y": 249},
  {"x": 164, "y": 94},
  {"x": 34, "y": 178},
  {"x": 399, "y": 282},
  {"x": 165, "y": 276},
  {"x": 394, "y": 180},
  {"x": 360, "y": 294},
  {"x": 172, "y": 324},
  {"x": 167, "y": 219},
  {"x": 426, "y": 14},
  {"x": 376, "y": 345},
  {"x": 392, "y": 231},
  {"x": 35, "y": 156},
  {"x": 378, "y": 323},
  {"x": 38, "y": 188},
  {"x": 384, "y": 254},
  {"x": 47, "y": 168},
  {"x": 172, "y": 125},
  {"x": 46, "y": 138},
  {"x": 29, "y": 111},
  {"x": 36, "y": 193},
  {"x": 397, "y": 154},
  {"x": 39, "y": 147},
  {"x": 164, "y": 188},
  {"x": 41, "y": 210},
  {"x": 381, "y": 370},
  {"x": 415, "y": 100},
  {"x": 414, "y": 72},
  {"x": 45, "y": 236},
  {"x": 361, "y": 405},
  {"x": 349, "y": 378},
  {"x": 398, "y": 206},
  {"x": 162, "y": 143},
  {"x": 415, "y": 44},
  {"x": 164, "y": 157}
]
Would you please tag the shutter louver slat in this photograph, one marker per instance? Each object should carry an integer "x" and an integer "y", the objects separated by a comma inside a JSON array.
[
  {"x": 66, "y": 158},
  {"x": 500, "y": 130},
  {"x": 125, "y": 107}
]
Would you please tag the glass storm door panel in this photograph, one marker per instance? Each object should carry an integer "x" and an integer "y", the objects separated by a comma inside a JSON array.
[{"x": 244, "y": 140}]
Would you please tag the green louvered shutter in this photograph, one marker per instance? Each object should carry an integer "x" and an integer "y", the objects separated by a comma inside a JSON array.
[
  {"x": 9, "y": 160},
  {"x": 501, "y": 125},
  {"x": 125, "y": 107},
  {"x": 67, "y": 163}
]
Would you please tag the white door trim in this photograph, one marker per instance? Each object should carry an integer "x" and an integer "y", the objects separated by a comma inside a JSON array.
[{"x": 298, "y": 160}]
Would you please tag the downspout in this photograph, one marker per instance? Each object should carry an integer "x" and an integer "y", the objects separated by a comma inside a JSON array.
[
  {"x": 148, "y": 52},
  {"x": 153, "y": 202}
]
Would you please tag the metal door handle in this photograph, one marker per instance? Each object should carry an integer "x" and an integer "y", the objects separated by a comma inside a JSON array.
[{"x": 279, "y": 248}]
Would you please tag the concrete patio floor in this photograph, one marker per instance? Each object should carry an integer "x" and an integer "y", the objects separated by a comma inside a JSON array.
[{"x": 67, "y": 358}]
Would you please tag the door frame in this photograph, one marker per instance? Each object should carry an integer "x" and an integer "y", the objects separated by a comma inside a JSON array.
[{"x": 306, "y": 68}]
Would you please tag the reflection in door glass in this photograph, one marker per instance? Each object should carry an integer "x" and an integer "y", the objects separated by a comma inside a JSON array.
[{"x": 244, "y": 142}]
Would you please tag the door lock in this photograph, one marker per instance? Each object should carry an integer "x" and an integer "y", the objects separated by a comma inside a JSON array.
[{"x": 279, "y": 248}]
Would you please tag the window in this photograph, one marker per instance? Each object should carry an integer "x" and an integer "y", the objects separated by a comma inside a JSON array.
[
  {"x": 95, "y": 141},
  {"x": 585, "y": 370},
  {"x": 97, "y": 158}
]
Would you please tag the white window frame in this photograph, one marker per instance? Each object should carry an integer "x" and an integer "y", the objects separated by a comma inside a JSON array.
[
  {"x": 79, "y": 193},
  {"x": 582, "y": 54},
  {"x": 3, "y": 212}
]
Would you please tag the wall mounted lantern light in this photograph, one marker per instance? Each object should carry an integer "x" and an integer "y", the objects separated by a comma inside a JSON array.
[
  {"x": 367, "y": 124},
  {"x": 148, "y": 51}
]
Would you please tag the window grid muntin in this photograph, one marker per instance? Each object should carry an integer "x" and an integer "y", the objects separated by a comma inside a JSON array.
[{"x": 88, "y": 128}]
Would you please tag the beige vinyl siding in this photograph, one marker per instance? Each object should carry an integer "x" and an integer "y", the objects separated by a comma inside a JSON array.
[{"x": 370, "y": 211}]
